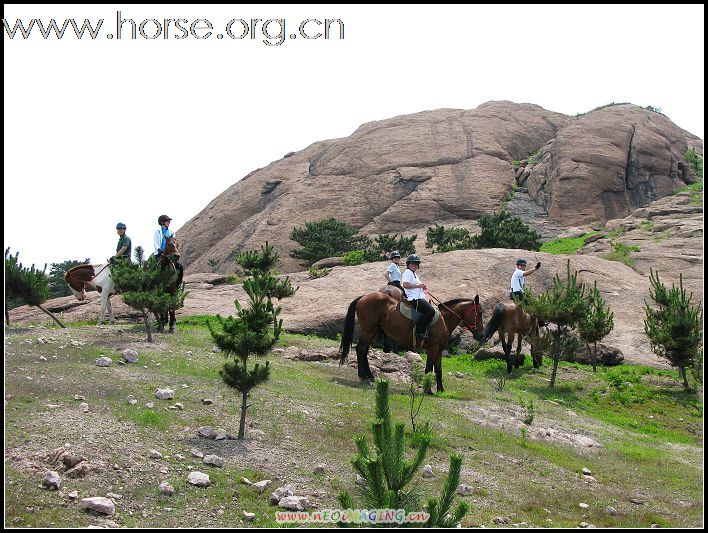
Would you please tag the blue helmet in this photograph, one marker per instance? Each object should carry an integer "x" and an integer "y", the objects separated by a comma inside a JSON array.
[
  {"x": 120, "y": 225},
  {"x": 394, "y": 254}
]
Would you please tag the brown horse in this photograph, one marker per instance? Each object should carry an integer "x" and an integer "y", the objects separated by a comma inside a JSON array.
[
  {"x": 510, "y": 319},
  {"x": 377, "y": 310},
  {"x": 166, "y": 262},
  {"x": 397, "y": 294}
]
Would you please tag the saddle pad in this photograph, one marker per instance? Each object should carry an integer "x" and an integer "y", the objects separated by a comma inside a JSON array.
[{"x": 411, "y": 314}]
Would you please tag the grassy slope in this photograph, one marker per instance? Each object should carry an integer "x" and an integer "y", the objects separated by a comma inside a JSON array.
[{"x": 651, "y": 432}]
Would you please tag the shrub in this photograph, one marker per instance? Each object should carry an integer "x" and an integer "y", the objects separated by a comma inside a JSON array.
[
  {"x": 318, "y": 272},
  {"x": 440, "y": 239},
  {"x": 502, "y": 230},
  {"x": 385, "y": 243},
  {"x": 352, "y": 258},
  {"x": 326, "y": 238},
  {"x": 622, "y": 253}
]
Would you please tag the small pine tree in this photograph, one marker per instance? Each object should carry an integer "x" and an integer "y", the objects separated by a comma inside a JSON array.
[
  {"x": 387, "y": 473},
  {"x": 502, "y": 230},
  {"x": 139, "y": 256},
  {"x": 255, "y": 329},
  {"x": 385, "y": 243},
  {"x": 146, "y": 289},
  {"x": 675, "y": 329},
  {"x": 440, "y": 239},
  {"x": 563, "y": 305},
  {"x": 57, "y": 284},
  {"x": 26, "y": 285},
  {"x": 326, "y": 238},
  {"x": 214, "y": 265},
  {"x": 596, "y": 324}
]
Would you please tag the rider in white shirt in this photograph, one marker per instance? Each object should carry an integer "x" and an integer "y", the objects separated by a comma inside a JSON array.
[{"x": 415, "y": 293}]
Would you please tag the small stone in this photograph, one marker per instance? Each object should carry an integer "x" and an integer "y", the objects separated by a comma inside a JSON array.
[
  {"x": 637, "y": 501},
  {"x": 428, "y": 472},
  {"x": 185, "y": 386},
  {"x": 164, "y": 471},
  {"x": 206, "y": 432},
  {"x": 583, "y": 506},
  {"x": 459, "y": 375},
  {"x": 221, "y": 436},
  {"x": 294, "y": 503},
  {"x": 179, "y": 457},
  {"x": 611, "y": 511},
  {"x": 113, "y": 496},
  {"x": 587, "y": 472},
  {"x": 129, "y": 356},
  {"x": 261, "y": 485},
  {"x": 584, "y": 524},
  {"x": 154, "y": 454},
  {"x": 104, "y": 361},
  {"x": 189, "y": 352},
  {"x": 42, "y": 358},
  {"x": 166, "y": 489},
  {"x": 150, "y": 405},
  {"x": 319, "y": 469},
  {"x": 99, "y": 504},
  {"x": 52, "y": 480},
  {"x": 655, "y": 525},
  {"x": 246, "y": 481},
  {"x": 164, "y": 394},
  {"x": 279, "y": 494},
  {"x": 360, "y": 480},
  {"x": 179, "y": 406},
  {"x": 79, "y": 398},
  {"x": 197, "y": 453},
  {"x": 249, "y": 517},
  {"x": 207, "y": 401},
  {"x": 73, "y": 495},
  {"x": 199, "y": 479},
  {"x": 132, "y": 400},
  {"x": 213, "y": 460},
  {"x": 464, "y": 490},
  {"x": 500, "y": 520}
]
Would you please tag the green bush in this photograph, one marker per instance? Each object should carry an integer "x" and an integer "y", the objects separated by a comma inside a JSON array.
[
  {"x": 441, "y": 239},
  {"x": 326, "y": 238},
  {"x": 502, "y": 230},
  {"x": 355, "y": 257},
  {"x": 385, "y": 243},
  {"x": 318, "y": 272},
  {"x": 622, "y": 253}
]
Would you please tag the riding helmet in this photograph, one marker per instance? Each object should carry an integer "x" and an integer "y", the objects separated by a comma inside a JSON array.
[
  {"x": 412, "y": 259},
  {"x": 521, "y": 261},
  {"x": 120, "y": 225},
  {"x": 163, "y": 218},
  {"x": 394, "y": 254}
]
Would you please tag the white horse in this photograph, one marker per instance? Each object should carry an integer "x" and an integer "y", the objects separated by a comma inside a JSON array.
[{"x": 98, "y": 276}]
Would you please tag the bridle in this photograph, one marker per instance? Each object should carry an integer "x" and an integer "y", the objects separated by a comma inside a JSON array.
[{"x": 475, "y": 306}]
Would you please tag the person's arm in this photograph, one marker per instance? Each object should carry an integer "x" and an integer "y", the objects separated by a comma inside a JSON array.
[
  {"x": 157, "y": 241},
  {"x": 387, "y": 275},
  {"x": 121, "y": 251},
  {"x": 529, "y": 272},
  {"x": 407, "y": 285}
]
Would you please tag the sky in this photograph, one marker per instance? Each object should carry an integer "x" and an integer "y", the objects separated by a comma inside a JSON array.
[{"x": 107, "y": 130}]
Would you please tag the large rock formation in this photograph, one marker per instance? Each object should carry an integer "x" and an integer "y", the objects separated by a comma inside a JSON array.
[{"x": 448, "y": 166}]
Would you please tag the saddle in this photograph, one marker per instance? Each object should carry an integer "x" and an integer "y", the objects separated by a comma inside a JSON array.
[{"x": 410, "y": 313}]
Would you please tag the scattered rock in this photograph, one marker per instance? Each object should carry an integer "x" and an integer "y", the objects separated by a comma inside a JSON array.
[
  {"x": 256, "y": 434},
  {"x": 500, "y": 520},
  {"x": 189, "y": 352},
  {"x": 428, "y": 472},
  {"x": 637, "y": 501},
  {"x": 197, "y": 453},
  {"x": 207, "y": 401},
  {"x": 166, "y": 489},
  {"x": 179, "y": 406},
  {"x": 150, "y": 405},
  {"x": 103, "y": 361},
  {"x": 70, "y": 460},
  {"x": 52, "y": 480},
  {"x": 132, "y": 400},
  {"x": 246, "y": 481},
  {"x": 73, "y": 495},
  {"x": 80, "y": 470},
  {"x": 464, "y": 490},
  {"x": 199, "y": 479},
  {"x": 249, "y": 517},
  {"x": 294, "y": 503},
  {"x": 611, "y": 511},
  {"x": 213, "y": 460},
  {"x": 279, "y": 494},
  {"x": 221, "y": 436},
  {"x": 99, "y": 504},
  {"x": 154, "y": 454},
  {"x": 360, "y": 480},
  {"x": 79, "y": 398},
  {"x": 413, "y": 357},
  {"x": 261, "y": 485},
  {"x": 583, "y": 506},
  {"x": 206, "y": 432},
  {"x": 129, "y": 356},
  {"x": 459, "y": 375},
  {"x": 113, "y": 496},
  {"x": 319, "y": 469},
  {"x": 587, "y": 472},
  {"x": 655, "y": 525},
  {"x": 164, "y": 394}
]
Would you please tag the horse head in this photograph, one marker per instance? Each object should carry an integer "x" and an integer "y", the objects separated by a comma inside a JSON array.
[
  {"x": 473, "y": 319},
  {"x": 171, "y": 247},
  {"x": 77, "y": 278}
]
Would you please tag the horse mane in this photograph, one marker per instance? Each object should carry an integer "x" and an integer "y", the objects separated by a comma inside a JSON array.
[{"x": 457, "y": 301}]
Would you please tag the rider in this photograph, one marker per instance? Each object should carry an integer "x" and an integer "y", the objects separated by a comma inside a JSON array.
[
  {"x": 161, "y": 235},
  {"x": 416, "y": 295},
  {"x": 517, "y": 279},
  {"x": 392, "y": 273},
  {"x": 124, "y": 245}
]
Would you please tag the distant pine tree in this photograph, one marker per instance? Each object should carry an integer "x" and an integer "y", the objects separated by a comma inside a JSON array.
[
  {"x": 596, "y": 324},
  {"x": 502, "y": 230}
]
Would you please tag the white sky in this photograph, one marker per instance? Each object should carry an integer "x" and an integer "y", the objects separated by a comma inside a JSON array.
[{"x": 102, "y": 131}]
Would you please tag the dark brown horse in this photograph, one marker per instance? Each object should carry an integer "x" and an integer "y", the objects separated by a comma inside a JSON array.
[
  {"x": 397, "y": 294},
  {"x": 377, "y": 310},
  {"x": 510, "y": 319},
  {"x": 169, "y": 260}
]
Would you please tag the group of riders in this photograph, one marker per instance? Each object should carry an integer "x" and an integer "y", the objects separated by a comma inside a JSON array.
[
  {"x": 414, "y": 291},
  {"x": 162, "y": 234}
]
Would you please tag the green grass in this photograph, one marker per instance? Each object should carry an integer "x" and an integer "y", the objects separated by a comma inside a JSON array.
[
  {"x": 646, "y": 225},
  {"x": 622, "y": 253},
  {"x": 568, "y": 246}
]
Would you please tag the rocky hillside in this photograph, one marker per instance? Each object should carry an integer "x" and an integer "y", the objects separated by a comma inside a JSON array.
[{"x": 449, "y": 166}]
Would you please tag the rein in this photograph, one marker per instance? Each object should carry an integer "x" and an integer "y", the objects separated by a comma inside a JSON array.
[{"x": 458, "y": 316}]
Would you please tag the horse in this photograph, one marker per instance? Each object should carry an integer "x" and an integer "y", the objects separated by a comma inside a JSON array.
[
  {"x": 377, "y": 310},
  {"x": 164, "y": 262},
  {"x": 397, "y": 294},
  {"x": 98, "y": 276},
  {"x": 510, "y": 319}
]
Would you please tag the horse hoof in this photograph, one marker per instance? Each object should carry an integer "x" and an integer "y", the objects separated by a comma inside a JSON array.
[
  {"x": 172, "y": 330},
  {"x": 429, "y": 392}
]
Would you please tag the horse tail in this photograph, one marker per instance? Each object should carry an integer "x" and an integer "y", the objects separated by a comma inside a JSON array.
[
  {"x": 494, "y": 322},
  {"x": 348, "y": 335}
]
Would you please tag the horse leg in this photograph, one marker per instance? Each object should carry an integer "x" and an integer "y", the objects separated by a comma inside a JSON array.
[
  {"x": 519, "y": 358},
  {"x": 160, "y": 323},
  {"x": 104, "y": 305},
  {"x": 173, "y": 319},
  {"x": 111, "y": 318},
  {"x": 429, "y": 368},
  {"x": 386, "y": 343},
  {"x": 507, "y": 345},
  {"x": 435, "y": 354},
  {"x": 362, "y": 361}
]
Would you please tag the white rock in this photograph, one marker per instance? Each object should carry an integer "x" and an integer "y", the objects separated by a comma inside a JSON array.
[
  {"x": 104, "y": 361},
  {"x": 261, "y": 485},
  {"x": 150, "y": 405},
  {"x": 113, "y": 496},
  {"x": 279, "y": 494},
  {"x": 249, "y": 517},
  {"x": 206, "y": 432},
  {"x": 129, "y": 356},
  {"x": 246, "y": 481},
  {"x": 73, "y": 495},
  {"x": 179, "y": 406},
  {"x": 221, "y": 436},
  {"x": 464, "y": 490},
  {"x": 52, "y": 480},
  {"x": 213, "y": 460},
  {"x": 294, "y": 503},
  {"x": 166, "y": 489},
  {"x": 583, "y": 506},
  {"x": 42, "y": 358},
  {"x": 164, "y": 394},
  {"x": 587, "y": 472},
  {"x": 428, "y": 472},
  {"x": 414, "y": 357},
  {"x": 611, "y": 510},
  {"x": 197, "y": 453},
  {"x": 459, "y": 375},
  {"x": 132, "y": 400},
  {"x": 189, "y": 352},
  {"x": 199, "y": 479},
  {"x": 154, "y": 454},
  {"x": 360, "y": 480},
  {"x": 207, "y": 401},
  {"x": 79, "y": 398},
  {"x": 98, "y": 504}
]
